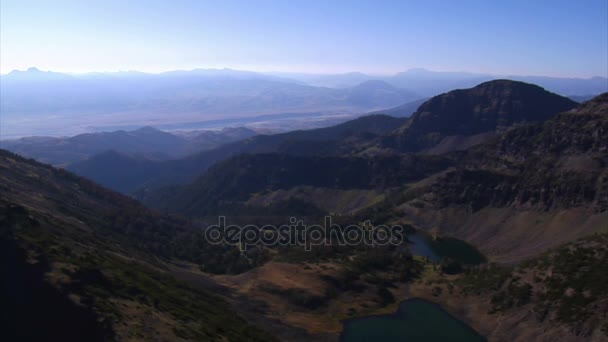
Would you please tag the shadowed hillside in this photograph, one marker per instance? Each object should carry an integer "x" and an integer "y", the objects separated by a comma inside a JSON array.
[{"x": 94, "y": 259}]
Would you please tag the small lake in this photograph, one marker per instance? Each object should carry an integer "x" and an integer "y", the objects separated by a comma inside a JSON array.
[
  {"x": 445, "y": 247},
  {"x": 415, "y": 320}
]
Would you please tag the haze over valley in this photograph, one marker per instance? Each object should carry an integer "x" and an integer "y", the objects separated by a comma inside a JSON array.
[{"x": 47, "y": 103}]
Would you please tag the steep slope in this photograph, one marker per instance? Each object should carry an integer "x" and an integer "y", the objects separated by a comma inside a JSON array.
[
  {"x": 129, "y": 174},
  {"x": 562, "y": 288},
  {"x": 488, "y": 107},
  {"x": 559, "y": 295},
  {"x": 532, "y": 188},
  {"x": 80, "y": 262}
]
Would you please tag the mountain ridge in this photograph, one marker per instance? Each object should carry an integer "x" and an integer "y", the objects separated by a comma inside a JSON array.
[
  {"x": 326, "y": 140},
  {"x": 414, "y": 134},
  {"x": 145, "y": 142}
]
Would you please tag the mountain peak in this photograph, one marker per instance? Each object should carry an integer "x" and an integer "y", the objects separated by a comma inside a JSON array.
[
  {"x": 507, "y": 84},
  {"x": 487, "y": 107},
  {"x": 35, "y": 74},
  {"x": 497, "y": 102}
]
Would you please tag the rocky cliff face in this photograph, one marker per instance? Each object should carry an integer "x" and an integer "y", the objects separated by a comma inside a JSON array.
[{"x": 560, "y": 163}]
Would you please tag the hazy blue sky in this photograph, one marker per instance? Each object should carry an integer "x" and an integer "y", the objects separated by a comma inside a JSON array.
[{"x": 552, "y": 37}]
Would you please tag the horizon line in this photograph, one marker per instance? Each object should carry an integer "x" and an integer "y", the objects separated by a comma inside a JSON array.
[{"x": 271, "y": 72}]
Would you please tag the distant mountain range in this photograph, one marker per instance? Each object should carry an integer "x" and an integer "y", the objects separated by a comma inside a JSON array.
[
  {"x": 35, "y": 102},
  {"x": 48, "y": 103},
  {"x": 429, "y": 83}
]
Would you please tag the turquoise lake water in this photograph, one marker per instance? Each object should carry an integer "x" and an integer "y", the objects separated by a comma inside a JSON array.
[
  {"x": 416, "y": 320},
  {"x": 422, "y": 244}
]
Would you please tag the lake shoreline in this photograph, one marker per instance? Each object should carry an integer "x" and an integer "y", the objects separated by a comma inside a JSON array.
[{"x": 401, "y": 314}]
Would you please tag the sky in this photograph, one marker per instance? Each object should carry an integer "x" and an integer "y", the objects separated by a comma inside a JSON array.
[{"x": 515, "y": 37}]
